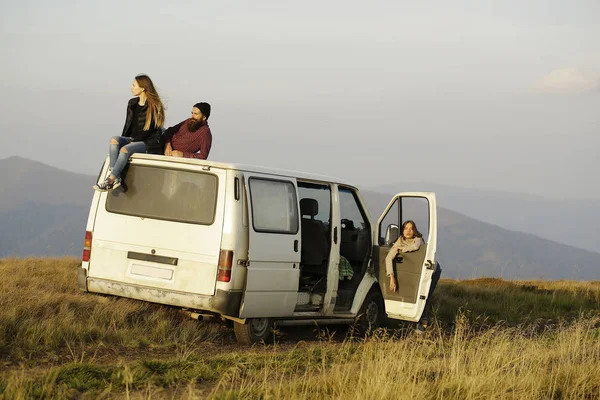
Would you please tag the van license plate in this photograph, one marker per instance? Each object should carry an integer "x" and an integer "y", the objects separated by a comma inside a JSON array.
[{"x": 152, "y": 272}]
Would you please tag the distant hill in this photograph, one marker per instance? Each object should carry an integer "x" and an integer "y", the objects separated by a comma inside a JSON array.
[
  {"x": 25, "y": 180},
  {"x": 43, "y": 229},
  {"x": 43, "y": 211},
  {"x": 569, "y": 221}
]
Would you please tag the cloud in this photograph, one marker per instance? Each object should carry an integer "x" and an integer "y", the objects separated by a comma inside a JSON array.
[{"x": 567, "y": 80}]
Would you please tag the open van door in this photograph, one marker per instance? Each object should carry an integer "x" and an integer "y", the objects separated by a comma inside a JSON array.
[
  {"x": 413, "y": 270},
  {"x": 273, "y": 271}
]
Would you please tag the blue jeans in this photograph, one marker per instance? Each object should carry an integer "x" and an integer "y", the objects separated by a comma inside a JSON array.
[
  {"x": 118, "y": 158},
  {"x": 434, "y": 281}
]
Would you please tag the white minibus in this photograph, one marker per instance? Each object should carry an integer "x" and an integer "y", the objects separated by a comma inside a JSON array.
[{"x": 257, "y": 246}]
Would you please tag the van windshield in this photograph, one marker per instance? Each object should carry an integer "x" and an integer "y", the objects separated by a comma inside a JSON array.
[{"x": 166, "y": 194}]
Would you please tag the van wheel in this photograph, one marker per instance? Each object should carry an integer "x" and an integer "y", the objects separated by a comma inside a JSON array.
[
  {"x": 371, "y": 313},
  {"x": 254, "y": 330}
]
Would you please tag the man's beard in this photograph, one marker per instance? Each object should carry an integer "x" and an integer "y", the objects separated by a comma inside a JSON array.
[{"x": 194, "y": 125}]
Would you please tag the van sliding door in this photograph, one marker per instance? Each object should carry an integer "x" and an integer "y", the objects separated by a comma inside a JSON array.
[{"x": 274, "y": 247}]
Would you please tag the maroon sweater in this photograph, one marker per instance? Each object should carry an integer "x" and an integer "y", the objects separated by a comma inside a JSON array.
[{"x": 192, "y": 144}]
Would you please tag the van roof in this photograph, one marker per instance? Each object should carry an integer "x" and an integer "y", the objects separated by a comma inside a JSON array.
[{"x": 244, "y": 167}]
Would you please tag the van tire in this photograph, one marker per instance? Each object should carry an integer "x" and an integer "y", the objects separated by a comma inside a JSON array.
[
  {"x": 253, "y": 331},
  {"x": 371, "y": 313}
]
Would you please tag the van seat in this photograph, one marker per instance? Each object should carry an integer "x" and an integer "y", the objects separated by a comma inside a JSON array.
[{"x": 314, "y": 241}]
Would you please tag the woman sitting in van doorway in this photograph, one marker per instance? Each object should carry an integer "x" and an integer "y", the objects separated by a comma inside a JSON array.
[
  {"x": 411, "y": 240},
  {"x": 141, "y": 133}
]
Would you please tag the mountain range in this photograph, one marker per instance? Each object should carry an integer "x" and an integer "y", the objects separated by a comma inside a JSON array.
[{"x": 43, "y": 212}]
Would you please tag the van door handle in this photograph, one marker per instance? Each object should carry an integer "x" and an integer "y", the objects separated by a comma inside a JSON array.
[
  {"x": 335, "y": 235},
  {"x": 296, "y": 245}
]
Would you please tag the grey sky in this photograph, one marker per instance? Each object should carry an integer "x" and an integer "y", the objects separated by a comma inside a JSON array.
[{"x": 491, "y": 95}]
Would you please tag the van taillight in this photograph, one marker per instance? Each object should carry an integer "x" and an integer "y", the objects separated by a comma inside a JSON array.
[
  {"x": 87, "y": 246},
  {"x": 225, "y": 261}
]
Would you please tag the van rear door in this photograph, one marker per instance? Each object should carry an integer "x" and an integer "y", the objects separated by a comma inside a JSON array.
[
  {"x": 163, "y": 231},
  {"x": 413, "y": 270},
  {"x": 274, "y": 241}
]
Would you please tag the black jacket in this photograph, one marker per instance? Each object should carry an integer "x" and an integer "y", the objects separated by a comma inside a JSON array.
[{"x": 151, "y": 137}]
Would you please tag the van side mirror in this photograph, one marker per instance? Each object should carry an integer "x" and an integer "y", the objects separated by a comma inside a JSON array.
[{"x": 391, "y": 234}]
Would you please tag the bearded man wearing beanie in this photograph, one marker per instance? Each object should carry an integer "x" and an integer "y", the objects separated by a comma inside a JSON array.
[{"x": 190, "y": 138}]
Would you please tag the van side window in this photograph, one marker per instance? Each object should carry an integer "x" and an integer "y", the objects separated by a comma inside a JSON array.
[
  {"x": 356, "y": 232},
  {"x": 274, "y": 206},
  {"x": 415, "y": 209}
]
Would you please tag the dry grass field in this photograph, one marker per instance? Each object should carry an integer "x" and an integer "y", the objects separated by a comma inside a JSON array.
[{"x": 490, "y": 339}]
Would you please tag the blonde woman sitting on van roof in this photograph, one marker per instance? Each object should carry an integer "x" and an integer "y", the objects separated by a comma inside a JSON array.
[{"x": 141, "y": 133}]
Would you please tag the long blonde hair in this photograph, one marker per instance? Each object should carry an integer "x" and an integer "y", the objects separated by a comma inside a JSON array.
[{"x": 156, "y": 110}]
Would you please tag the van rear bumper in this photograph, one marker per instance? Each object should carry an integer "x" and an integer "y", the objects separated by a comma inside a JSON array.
[{"x": 223, "y": 302}]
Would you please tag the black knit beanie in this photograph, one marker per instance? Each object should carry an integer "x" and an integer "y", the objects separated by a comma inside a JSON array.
[{"x": 204, "y": 109}]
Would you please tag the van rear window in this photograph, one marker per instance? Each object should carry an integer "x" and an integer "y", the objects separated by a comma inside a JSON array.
[{"x": 166, "y": 194}]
